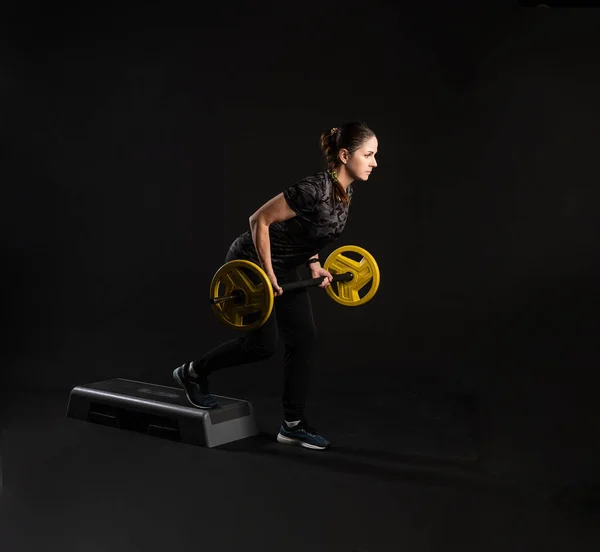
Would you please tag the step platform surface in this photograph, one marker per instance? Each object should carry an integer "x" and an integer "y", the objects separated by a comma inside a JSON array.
[{"x": 161, "y": 411}]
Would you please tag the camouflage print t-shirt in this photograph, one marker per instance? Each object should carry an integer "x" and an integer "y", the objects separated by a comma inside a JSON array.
[{"x": 319, "y": 222}]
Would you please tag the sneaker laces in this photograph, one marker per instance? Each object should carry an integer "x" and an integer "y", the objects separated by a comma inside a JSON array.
[{"x": 306, "y": 427}]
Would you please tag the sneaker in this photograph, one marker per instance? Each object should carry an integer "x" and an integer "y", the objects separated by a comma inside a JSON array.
[
  {"x": 303, "y": 435},
  {"x": 200, "y": 398}
]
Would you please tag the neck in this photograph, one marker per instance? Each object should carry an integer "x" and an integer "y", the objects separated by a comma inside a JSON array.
[{"x": 343, "y": 177}]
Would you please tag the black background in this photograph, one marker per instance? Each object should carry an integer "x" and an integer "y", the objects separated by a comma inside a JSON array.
[{"x": 137, "y": 142}]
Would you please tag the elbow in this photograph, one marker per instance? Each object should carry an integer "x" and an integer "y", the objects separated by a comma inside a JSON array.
[{"x": 256, "y": 220}]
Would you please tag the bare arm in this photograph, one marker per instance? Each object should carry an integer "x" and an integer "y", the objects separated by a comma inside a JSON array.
[{"x": 274, "y": 210}]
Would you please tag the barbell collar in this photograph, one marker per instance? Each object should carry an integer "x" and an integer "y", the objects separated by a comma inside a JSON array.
[{"x": 236, "y": 295}]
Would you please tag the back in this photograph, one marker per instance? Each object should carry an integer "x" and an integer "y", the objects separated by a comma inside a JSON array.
[{"x": 318, "y": 222}]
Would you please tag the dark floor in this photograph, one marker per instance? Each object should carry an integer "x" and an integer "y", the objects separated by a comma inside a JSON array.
[{"x": 76, "y": 486}]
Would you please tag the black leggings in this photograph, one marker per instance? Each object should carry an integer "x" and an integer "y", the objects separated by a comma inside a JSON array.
[{"x": 291, "y": 318}]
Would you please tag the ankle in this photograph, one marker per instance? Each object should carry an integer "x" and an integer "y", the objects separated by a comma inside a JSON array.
[
  {"x": 191, "y": 371},
  {"x": 293, "y": 422},
  {"x": 192, "y": 375}
]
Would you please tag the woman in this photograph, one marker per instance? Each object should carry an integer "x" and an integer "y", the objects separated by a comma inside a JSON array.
[{"x": 285, "y": 233}]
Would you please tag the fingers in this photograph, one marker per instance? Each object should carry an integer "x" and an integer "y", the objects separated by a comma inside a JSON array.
[
  {"x": 327, "y": 280},
  {"x": 276, "y": 287}
]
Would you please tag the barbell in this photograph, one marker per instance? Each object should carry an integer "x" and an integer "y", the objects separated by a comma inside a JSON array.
[{"x": 242, "y": 296}]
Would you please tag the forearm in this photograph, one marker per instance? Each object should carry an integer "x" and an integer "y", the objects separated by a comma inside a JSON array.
[{"x": 262, "y": 243}]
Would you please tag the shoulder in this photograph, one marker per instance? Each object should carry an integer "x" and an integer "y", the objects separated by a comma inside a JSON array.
[
  {"x": 306, "y": 193},
  {"x": 319, "y": 182},
  {"x": 314, "y": 178}
]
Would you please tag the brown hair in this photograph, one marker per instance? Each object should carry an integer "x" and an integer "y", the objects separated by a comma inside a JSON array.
[{"x": 349, "y": 136}]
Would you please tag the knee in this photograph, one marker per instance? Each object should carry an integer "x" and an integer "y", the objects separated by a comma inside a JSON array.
[{"x": 305, "y": 339}]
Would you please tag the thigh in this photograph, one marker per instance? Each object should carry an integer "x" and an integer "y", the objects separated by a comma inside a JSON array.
[
  {"x": 294, "y": 313},
  {"x": 262, "y": 340},
  {"x": 265, "y": 339}
]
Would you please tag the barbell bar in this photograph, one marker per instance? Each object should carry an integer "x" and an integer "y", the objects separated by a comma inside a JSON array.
[
  {"x": 248, "y": 293},
  {"x": 237, "y": 295}
]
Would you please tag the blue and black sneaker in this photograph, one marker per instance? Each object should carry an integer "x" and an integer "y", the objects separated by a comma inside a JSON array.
[
  {"x": 195, "y": 389},
  {"x": 301, "y": 434}
]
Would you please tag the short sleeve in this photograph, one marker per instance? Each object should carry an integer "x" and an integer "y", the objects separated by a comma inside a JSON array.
[{"x": 302, "y": 197}]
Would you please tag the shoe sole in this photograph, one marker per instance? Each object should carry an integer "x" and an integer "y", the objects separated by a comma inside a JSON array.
[
  {"x": 289, "y": 441},
  {"x": 181, "y": 384}
]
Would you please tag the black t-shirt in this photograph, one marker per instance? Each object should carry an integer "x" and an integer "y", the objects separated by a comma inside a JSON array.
[{"x": 319, "y": 222}]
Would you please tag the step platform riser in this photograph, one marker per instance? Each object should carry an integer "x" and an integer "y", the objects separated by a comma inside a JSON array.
[{"x": 161, "y": 411}]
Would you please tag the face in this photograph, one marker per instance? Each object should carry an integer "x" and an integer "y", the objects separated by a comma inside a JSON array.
[{"x": 362, "y": 161}]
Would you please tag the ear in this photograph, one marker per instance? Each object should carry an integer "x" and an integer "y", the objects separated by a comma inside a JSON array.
[{"x": 344, "y": 155}]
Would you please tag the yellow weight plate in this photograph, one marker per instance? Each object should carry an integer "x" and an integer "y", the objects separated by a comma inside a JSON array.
[
  {"x": 364, "y": 271},
  {"x": 255, "y": 302}
]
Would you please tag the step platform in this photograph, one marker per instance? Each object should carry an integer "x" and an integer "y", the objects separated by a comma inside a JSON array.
[{"x": 161, "y": 411}]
